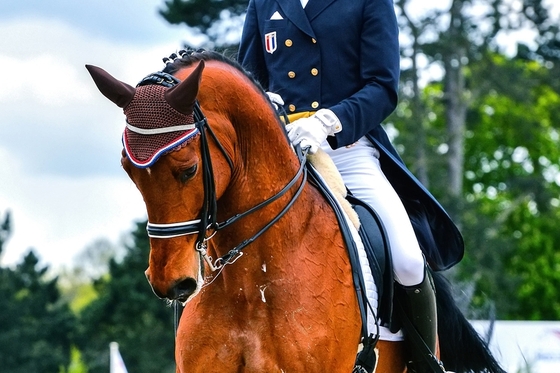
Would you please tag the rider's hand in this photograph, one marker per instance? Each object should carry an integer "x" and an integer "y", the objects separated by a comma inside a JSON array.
[
  {"x": 275, "y": 99},
  {"x": 311, "y": 132}
]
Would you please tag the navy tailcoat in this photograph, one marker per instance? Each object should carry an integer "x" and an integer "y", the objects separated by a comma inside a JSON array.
[{"x": 344, "y": 55}]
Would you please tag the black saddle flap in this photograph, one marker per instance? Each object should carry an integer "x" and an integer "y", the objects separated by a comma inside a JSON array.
[{"x": 376, "y": 245}]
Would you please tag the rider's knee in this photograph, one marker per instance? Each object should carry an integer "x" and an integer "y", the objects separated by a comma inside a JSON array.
[{"x": 409, "y": 270}]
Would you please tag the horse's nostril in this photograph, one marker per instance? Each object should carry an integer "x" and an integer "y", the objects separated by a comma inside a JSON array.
[{"x": 183, "y": 289}]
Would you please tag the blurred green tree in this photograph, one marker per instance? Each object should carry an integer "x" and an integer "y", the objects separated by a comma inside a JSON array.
[
  {"x": 5, "y": 230},
  {"x": 36, "y": 326},
  {"x": 126, "y": 311},
  {"x": 219, "y": 20}
]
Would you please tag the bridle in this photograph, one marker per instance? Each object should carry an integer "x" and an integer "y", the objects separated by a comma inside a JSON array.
[{"x": 207, "y": 222}]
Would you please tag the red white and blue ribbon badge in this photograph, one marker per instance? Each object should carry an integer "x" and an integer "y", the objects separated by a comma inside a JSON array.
[{"x": 270, "y": 42}]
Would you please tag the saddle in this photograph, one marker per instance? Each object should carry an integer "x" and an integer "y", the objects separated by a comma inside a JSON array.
[{"x": 376, "y": 245}]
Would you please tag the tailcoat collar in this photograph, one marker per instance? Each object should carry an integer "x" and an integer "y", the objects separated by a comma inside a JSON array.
[
  {"x": 294, "y": 11},
  {"x": 315, "y": 7}
]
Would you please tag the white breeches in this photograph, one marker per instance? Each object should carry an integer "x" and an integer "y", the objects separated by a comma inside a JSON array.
[{"x": 361, "y": 172}]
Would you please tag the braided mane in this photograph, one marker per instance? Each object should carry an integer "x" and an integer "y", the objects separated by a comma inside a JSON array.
[{"x": 184, "y": 58}]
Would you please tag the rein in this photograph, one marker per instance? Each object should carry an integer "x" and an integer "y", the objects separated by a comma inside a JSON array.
[{"x": 208, "y": 219}]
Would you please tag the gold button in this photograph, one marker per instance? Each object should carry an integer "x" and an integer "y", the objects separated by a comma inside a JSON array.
[
  {"x": 314, "y": 71},
  {"x": 291, "y": 74},
  {"x": 292, "y": 108},
  {"x": 314, "y": 104},
  {"x": 313, "y": 40},
  {"x": 288, "y": 43}
]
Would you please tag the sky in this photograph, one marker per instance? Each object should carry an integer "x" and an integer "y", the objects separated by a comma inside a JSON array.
[{"x": 60, "y": 139}]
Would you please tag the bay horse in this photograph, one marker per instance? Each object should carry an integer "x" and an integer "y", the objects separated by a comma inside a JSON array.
[{"x": 225, "y": 184}]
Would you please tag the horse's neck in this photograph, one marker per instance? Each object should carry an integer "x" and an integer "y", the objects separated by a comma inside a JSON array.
[
  {"x": 263, "y": 161},
  {"x": 261, "y": 144},
  {"x": 264, "y": 164}
]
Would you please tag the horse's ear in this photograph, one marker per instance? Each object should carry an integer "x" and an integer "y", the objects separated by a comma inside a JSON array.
[
  {"x": 115, "y": 90},
  {"x": 182, "y": 96}
]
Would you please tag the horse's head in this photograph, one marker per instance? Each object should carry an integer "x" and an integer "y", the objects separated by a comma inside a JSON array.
[{"x": 165, "y": 152}]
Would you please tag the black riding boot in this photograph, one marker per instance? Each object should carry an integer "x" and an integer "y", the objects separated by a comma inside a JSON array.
[{"x": 419, "y": 305}]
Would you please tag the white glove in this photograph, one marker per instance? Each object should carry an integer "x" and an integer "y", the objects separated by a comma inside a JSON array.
[
  {"x": 311, "y": 132},
  {"x": 275, "y": 99}
]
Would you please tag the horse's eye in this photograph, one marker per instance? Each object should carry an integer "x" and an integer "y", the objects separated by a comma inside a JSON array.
[{"x": 188, "y": 173}]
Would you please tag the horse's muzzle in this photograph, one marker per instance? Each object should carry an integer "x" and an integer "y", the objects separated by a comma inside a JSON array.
[{"x": 183, "y": 290}]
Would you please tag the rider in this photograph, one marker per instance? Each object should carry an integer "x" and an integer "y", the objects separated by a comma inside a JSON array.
[{"x": 335, "y": 64}]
